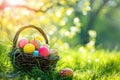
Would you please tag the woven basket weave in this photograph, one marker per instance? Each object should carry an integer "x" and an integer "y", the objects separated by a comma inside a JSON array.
[{"x": 22, "y": 61}]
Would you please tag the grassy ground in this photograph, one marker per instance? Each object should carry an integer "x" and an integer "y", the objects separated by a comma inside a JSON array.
[{"x": 98, "y": 65}]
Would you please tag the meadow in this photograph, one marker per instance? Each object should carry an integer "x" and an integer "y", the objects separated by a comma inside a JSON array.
[{"x": 98, "y": 65}]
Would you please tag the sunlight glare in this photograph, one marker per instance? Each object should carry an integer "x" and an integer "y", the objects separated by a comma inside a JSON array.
[{"x": 16, "y": 2}]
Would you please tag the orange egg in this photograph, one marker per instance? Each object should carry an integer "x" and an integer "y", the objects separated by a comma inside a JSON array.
[{"x": 34, "y": 42}]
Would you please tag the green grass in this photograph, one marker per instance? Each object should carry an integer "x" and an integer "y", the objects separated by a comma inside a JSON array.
[{"x": 98, "y": 65}]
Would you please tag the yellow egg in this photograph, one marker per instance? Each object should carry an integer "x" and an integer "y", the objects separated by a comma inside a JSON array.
[
  {"x": 39, "y": 38},
  {"x": 29, "y": 48}
]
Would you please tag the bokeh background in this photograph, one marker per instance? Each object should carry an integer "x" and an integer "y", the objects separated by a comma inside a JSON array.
[{"x": 68, "y": 23}]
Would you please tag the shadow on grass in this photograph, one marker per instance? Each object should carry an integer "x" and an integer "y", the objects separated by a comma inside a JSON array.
[{"x": 36, "y": 74}]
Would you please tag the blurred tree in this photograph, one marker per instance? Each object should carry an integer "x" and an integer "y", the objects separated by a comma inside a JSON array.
[
  {"x": 60, "y": 19},
  {"x": 109, "y": 26},
  {"x": 91, "y": 18},
  {"x": 55, "y": 17},
  {"x": 104, "y": 7}
]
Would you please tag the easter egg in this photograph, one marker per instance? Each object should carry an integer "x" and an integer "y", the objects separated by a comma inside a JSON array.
[
  {"x": 29, "y": 48},
  {"x": 55, "y": 52},
  {"x": 39, "y": 38},
  {"x": 51, "y": 53},
  {"x": 43, "y": 51},
  {"x": 46, "y": 45},
  {"x": 35, "y": 53},
  {"x": 66, "y": 72},
  {"x": 22, "y": 42},
  {"x": 35, "y": 43}
]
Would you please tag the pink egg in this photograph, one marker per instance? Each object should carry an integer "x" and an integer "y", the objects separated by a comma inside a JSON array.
[
  {"x": 43, "y": 51},
  {"x": 22, "y": 42},
  {"x": 66, "y": 72}
]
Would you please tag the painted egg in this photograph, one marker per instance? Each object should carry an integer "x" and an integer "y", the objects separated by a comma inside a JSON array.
[
  {"x": 66, "y": 72},
  {"x": 35, "y": 43},
  {"x": 29, "y": 48},
  {"x": 46, "y": 45},
  {"x": 35, "y": 53},
  {"x": 22, "y": 42},
  {"x": 39, "y": 38},
  {"x": 52, "y": 55},
  {"x": 43, "y": 51},
  {"x": 53, "y": 52}
]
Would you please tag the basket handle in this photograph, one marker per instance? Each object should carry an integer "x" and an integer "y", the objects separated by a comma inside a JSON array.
[{"x": 29, "y": 26}]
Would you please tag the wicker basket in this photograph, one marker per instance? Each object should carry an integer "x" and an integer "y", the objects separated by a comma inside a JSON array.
[{"x": 25, "y": 62}]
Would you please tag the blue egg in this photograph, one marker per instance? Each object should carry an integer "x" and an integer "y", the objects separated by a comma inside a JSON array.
[{"x": 35, "y": 53}]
